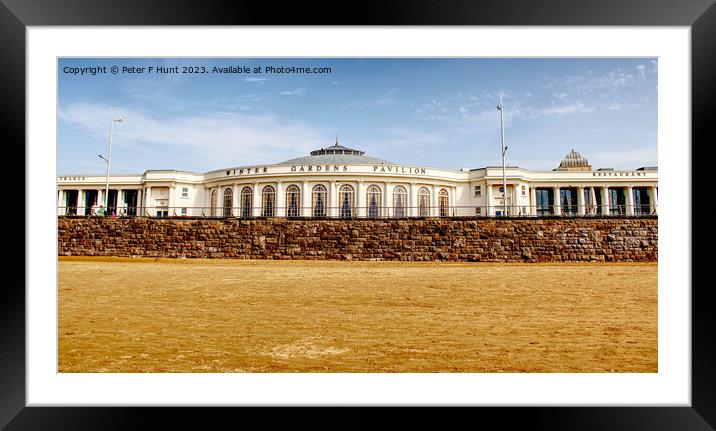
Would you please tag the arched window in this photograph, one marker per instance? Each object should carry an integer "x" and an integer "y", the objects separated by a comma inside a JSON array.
[
  {"x": 246, "y": 204},
  {"x": 213, "y": 203},
  {"x": 268, "y": 201},
  {"x": 444, "y": 203},
  {"x": 228, "y": 202},
  {"x": 374, "y": 201},
  {"x": 293, "y": 201},
  {"x": 345, "y": 201},
  {"x": 423, "y": 202},
  {"x": 400, "y": 201},
  {"x": 319, "y": 201}
]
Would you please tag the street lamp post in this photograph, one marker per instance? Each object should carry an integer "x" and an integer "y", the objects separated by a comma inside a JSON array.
[
  {"x": 109, "y": 161},
  {"x": 500, "y": 108}
]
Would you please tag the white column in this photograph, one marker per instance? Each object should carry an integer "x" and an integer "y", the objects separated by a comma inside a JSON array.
[
  {"x": 533, "y": 201},
  {"x": 218, "y": 211},
  {"x": 653, "y": 205},
  {"x": 218, "y": 204},
  {"x": 580, "y": 201},
  {"x": 515, "y": 207},
  {"x": 489, "y": 210},
  {"x": 557, "y": 201},
  {"x": 306, "y": 200},
  {"x": 256, "y": 201},
  {"x": 435, "y": 203},
  {"x": 280, "y": 210},
  {"x": 332, "y": 210},
  {"x": 629, "y": 201},
  {"x": 605, "y": 201},
  {"x": 389, "y": 211},
  {"x": 149, "y": 204},
  {"x": 235, "y": 201},
  {"x": 361, "y": 200},
  {"x": 140, "y": 200},
  {"x": 593, "y": 200},
  {"x": 80, "y": 205},
  {"x": 120, "y": 201},
  {"x": 412, "y": 201}
]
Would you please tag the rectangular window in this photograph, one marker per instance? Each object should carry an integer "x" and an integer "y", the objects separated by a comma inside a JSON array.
[
  {"x": 642, "y": 203},
  {"x": 524, "y": 191},
  {"x": 478, "y": 210},
  {"x": 616, "y": 201},
  {"x": 185, "y": 192},
  {"x": 545, "y": 201},
  {"x": 478, "y": 191},
  {"x": 568, "y": 201},
  {"x": 183, "y": 211}
]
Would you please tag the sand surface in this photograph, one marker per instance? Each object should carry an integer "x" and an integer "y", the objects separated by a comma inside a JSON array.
[{"x": 147, "y": 315}]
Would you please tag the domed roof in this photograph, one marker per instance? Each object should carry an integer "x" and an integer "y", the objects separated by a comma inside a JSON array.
[
  {"x": 336, "y": 154},
  {"x": 574, "y": 161}
]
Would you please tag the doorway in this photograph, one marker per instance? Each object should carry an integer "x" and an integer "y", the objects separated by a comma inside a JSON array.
[
  {"x": 130, "y": 202},
  {"x": 90, "y": 201}
]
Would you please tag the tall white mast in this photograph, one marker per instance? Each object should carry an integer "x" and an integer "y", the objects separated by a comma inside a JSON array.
[
  {"x": 500, "y": 108},
  {"x": 108, "y": 160}
]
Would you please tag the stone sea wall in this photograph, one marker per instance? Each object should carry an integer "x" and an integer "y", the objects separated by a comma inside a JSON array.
[{"x": 620, "y": 239}]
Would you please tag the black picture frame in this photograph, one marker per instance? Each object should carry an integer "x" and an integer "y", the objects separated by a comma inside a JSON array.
[{"x": 16, "y": 15}]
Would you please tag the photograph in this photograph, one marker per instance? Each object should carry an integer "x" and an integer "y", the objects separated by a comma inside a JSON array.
[
  {"x": 357, "y": 214},
  {"x": 466, "y": 204}
]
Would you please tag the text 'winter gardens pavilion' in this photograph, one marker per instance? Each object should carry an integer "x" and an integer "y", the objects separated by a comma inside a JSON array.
[{"x": 340, "y": 182}]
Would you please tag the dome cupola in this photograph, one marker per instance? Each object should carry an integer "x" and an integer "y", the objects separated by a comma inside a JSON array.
[
  {"x": 336, "y": 154},
  {"x": 574, "y": 162}
]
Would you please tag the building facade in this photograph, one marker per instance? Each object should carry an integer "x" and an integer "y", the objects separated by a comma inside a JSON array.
[{"x": 340, "y": 182}]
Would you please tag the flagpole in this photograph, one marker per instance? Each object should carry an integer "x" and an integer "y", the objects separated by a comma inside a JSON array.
[
  {"x": 108, "y": 160},
  {"x": 500, "y": 108}
]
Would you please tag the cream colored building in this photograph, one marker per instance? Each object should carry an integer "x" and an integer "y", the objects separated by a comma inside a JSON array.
[{"x": 340, "y": 182}]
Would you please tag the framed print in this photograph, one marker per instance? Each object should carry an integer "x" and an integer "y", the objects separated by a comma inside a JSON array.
[{"x": 407, "y": 90}]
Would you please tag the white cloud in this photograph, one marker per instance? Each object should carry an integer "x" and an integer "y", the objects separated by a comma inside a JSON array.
[
  {"x": 294, "y": 92},
  {"x": 209, "y": 139},
  {"x": 641, "y": 71},
  {"x": 566, "y": 109},
  {"x": 620, "y": 106},
  {"x": 388, "y": 97}
]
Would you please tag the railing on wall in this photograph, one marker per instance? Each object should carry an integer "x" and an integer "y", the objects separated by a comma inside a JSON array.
[{"x": 369, "y": 212}]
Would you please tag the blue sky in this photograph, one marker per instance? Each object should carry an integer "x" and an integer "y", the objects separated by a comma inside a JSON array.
[{"x": 425, "y": 112}]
